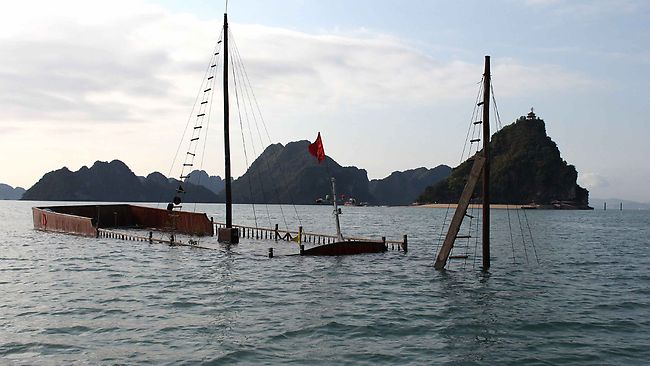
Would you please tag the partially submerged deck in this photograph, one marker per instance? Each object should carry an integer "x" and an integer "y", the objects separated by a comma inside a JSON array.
[{"x": 110, "y": 220}]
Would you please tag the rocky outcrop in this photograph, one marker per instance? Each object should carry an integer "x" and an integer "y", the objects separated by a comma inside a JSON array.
[
  {"x": 111, "y": 182},
  {"x": 281, "y": 174},
  {"x": 403, "y": 188},
  {"x": 526, "y": 167},
  {"x": 8, "y": 192},
  {"x": 211, "y": 182},
  {"x": 288, "y": 174}
]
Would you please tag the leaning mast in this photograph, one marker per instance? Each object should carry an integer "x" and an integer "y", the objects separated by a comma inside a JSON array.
[{"x": 480, "y": 167}]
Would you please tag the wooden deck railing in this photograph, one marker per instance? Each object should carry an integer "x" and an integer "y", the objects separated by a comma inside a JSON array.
[{"x": 306, "y": 237}]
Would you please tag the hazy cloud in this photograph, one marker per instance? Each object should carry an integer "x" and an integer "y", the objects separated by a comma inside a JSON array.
[
  {"x": 71, "y": 71},
  {"x": 590, "y": 8},
  {"x": 373, "y": 69},
  {"x": 541, "y": 2},
  {"x": 592, "y": 180},
  {"x": 106, "y": 65},
  {"x": 104, "y": 70}
]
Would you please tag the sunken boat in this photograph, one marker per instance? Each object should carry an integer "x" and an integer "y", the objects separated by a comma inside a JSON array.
[{"x": 111, "y": 220}]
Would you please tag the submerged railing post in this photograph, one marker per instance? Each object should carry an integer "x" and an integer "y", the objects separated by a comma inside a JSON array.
[
  {"x": 405, "y": 244},
  {"x": 276, "y": 232}
]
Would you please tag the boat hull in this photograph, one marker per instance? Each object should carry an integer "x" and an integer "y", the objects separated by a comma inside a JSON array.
[
  {"x": 84, "y": 220},
  {"x": 347, "y": 247}
]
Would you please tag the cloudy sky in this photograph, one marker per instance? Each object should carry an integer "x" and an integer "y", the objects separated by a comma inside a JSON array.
[{"x": 389, "y": 84}]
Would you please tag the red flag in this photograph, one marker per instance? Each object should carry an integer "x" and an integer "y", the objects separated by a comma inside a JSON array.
[{"x": 316, "y": 149}]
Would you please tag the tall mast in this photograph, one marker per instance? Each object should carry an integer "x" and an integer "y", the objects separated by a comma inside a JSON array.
[
  {"x": 486, "y": 168},
  {"x": 226, "y": 123}
]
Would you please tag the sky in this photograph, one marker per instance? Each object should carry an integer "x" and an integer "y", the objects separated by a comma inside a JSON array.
[{"x": 389, "y": 84}]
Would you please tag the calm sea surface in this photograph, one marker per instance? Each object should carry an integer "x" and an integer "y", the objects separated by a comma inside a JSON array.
[{"x": 577, "y": 294}]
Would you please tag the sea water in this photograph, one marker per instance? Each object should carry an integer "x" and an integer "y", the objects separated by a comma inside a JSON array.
[{"x": 578, "y": 293}]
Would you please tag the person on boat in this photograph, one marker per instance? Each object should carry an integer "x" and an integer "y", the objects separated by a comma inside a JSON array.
[{"x": 175, "y": 202}]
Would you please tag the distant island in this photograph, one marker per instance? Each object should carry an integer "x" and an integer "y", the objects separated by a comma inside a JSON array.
[
  {"x": 281, "y": 174},
  {"x": 288, "y": 174},
  {"x": 112, "y": 182},
  {"x": 8, "y": 192},
  {"x": 201, "y": 178},
  {"x": 402, "y": 188},
  {"x": 526, "y": 169}
]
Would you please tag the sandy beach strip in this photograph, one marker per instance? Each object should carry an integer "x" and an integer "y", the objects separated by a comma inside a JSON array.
[{"x": 473, "y": 205}]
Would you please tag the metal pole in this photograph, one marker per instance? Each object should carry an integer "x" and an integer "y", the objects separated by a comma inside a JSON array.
[
  {"x": 486, "y": 168},
  {"x": 336, "y": 211}
]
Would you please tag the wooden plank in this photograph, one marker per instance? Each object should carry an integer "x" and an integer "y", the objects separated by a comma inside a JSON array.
[
  {"x": 459, "y": 257},
  {"x": 461, "y": 209}
]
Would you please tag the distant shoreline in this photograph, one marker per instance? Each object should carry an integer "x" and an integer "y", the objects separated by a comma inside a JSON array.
[
  {"x": 473, "y": 205},
  {"x": 501, "y": 206}
]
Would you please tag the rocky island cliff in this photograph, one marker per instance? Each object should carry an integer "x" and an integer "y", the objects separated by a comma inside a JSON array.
[
  {"x": 112, "y": 182},
  {"x": 281, "y": 174},
  {"x": 8, "y": 192},
  {"x": 526, "y": 168}
]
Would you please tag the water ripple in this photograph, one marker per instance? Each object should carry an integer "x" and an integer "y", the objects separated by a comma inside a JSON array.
[{"x": 70, "y": 300}]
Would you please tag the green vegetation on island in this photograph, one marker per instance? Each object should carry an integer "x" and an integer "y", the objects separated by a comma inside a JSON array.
[
  {"x": 526, "y": 168},
  {"x": 288, "y": 174},
  {"x": 281, "y": 174},
  {"x": 111, "y": 182}
]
